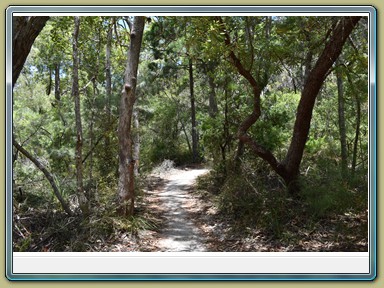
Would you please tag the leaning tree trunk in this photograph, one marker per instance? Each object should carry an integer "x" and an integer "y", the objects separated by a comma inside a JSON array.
[
  {"x": 25, "y": 31},
  {"x": 47, "y": 175},
  {"x": 312, "y": 86},
  {"x": 288, "y": 169},
  {"x": 126, "y": 186}
]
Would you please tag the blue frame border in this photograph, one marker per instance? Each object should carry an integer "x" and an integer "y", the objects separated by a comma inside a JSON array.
[{"x": 199, "y": 9}]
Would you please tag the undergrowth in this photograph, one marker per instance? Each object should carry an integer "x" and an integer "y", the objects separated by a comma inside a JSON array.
[
  {"x": 40, "y": 224},
  {"x": 330, "y": 210}
]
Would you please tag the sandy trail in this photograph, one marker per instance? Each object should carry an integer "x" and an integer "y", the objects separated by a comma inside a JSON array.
[{"x": 180, "y": 233}]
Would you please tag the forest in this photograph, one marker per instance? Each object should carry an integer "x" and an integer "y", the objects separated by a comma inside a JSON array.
[{"x": 190, "y": 133}]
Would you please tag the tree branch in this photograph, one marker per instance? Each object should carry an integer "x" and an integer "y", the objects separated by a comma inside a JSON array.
[
  {"x": 25, "y": 31},
  {"x": 311, "y": 89},
  {"x": 46, "y": 173},
  {"x": 254, "y": 116}
]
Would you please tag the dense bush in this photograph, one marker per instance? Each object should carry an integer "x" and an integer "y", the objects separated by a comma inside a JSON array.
[{"x": 253, "y": 196}]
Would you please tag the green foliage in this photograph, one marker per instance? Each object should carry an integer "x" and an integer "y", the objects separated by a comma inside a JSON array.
[
  {"x": 244, "y": 196},
  {"x": 273, "y": 130},
  {"x": 276, "y": 50},
  {"x": 23, "y": 245},
  {"x": 327, "y": 193},
  {"x": 213, "y": 135},
  {"x": 134, "y": 224},
  {"x": 240, "y": 199},
  {"x": 314, "y": 145},
  {"x": 165, "y": 137},
  {"x": 160, "y": 151},
  {"x": 253, "y": 197}
]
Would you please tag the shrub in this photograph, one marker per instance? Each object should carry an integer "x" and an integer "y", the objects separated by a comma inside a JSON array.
[{"x": 326, "y": 191}]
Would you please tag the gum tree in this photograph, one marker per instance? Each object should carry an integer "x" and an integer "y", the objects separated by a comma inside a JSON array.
[
  {"x": 126, "y": 185},
  {"x": 288, "y": 168}
]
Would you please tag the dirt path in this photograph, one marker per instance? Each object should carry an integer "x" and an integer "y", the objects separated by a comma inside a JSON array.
[{"x": 179, "y": 233}]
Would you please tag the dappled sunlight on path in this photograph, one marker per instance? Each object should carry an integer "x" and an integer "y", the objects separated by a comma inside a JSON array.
[{"x": 180, "y": 233}]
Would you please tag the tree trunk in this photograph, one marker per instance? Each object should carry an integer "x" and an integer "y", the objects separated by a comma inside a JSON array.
[
  {"x": 342, "y": 129},
  {"x": 108, "y": 80},
  {"x": 91, "y": 187},
  {"x": 25, "y": 31},
  {"x": 195, "y": 151},
  {"x": 49, "y": 86},
  {"x": 46, "y": 173},
  {"x": 244, "y": 138},
  {"x": 57, "y": 81},
  {"x": 288, "y": 169},
  {"x": 358, "y": 120},
  {"x": 212, "y": 97},
  {"x": 136, "y": 141},
  {"x": 357, "y": 133},
  {"x": 195, "y": 144},
  {"x": 185, "y": 132},
  {"x": 308, "y": 61},
  {"x": 310, "y": 91},
  {"x": 226, "y": 146},
  {"x": 209, "y": 71},
  {"x": 79, "y": 131},
  {"x": 126, "y": 191}
]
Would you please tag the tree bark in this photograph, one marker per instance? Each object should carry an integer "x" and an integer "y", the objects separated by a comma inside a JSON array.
[
  {"x": 91, "y": 187},
  {"x": 46, "y": 173},
  {"x": 209, "y": 71},
  {"x": 79, "y": 131},
  {"x": 49, "y": 86},
  {"x": 357, "y": 134},
  {"x": 358, "y": 120},
  {"x": 57, "y": 81},
  {"x": 108, "y": 75},
  {"x": 195, "y": 140},
  {"x": 136, "y": 141},
  {"x": 227, "y": 139},
  {"x": 184, "y": 131},
  {"x": 126, "y": 187},
  {"x": 213, "y": 110},
  {"x": 25, "y": 31},
  {"x": 310, "y": 91},
  {"x": 342, "y": 129},
  {"x": 244, "y": 138},
  {"x": 308, "y": 58}
]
